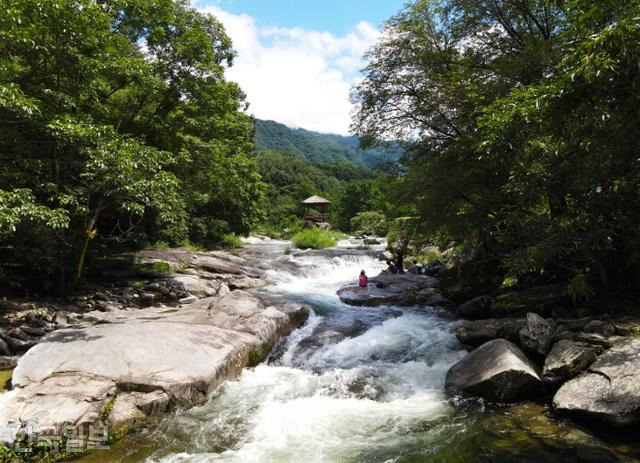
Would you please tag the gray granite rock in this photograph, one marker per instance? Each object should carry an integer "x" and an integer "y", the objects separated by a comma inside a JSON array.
[
  {"x": 477, "y": 332},
  {"x": 536, "y": 335},
  {"x": 186, "y": 354},
  {"x": 498, "y": 371},
  {"x": 566, "y": 360},
  {"x": 393, "y": 289},
  {"x": 609, "y": 390}
]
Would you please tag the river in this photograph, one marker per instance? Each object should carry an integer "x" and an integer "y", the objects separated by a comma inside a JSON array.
[{"x": 352, "y": 385}]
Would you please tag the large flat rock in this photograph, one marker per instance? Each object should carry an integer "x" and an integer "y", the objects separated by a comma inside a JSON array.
[
  {"x": 394, "y": 289},
  {"x": 70, "y": 376},
  {"x": 219, "y": 263},
  {"x": 609, "y": 390}
]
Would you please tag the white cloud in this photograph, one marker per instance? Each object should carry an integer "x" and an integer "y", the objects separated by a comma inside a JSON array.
[{"x": 295, "y": 76}]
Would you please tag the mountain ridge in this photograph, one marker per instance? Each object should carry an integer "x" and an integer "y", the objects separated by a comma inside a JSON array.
[{"x": 321, "y": 148}]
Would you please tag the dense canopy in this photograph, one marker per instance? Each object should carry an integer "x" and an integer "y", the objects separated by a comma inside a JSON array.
[
  {"x": 117, "y": 126},
  {"x": 524, "y": 124}
]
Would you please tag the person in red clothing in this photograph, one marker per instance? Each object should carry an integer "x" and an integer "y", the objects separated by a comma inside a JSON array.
[{"x": 363, "y": 280}]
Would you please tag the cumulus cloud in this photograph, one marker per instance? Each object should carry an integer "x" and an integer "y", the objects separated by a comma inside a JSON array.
[{"x": 296, "y": 76}]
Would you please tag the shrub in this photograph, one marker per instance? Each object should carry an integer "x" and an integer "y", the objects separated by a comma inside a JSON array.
[
  {"x": 160, "y": 267},
  {"x": 579, "y": 288},
  {"x": 313, "y": 238},
  {"x": 231, "y": 240}
]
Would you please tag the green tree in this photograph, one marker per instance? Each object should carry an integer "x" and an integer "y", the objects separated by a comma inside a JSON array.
[
  {"x": 108, "y": 111},
  {"x": 523, "y": 132}
]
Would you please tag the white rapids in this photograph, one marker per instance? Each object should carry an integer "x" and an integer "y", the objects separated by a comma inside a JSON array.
[{"x": 352, "y": 385}]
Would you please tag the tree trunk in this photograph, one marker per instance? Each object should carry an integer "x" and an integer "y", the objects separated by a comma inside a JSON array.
[{"x": 90, "y": 233}]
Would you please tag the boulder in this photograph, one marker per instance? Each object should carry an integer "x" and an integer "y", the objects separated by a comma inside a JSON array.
[
  {"x": 476, "y": 308},
  {"x": 566, "y": 360},
  {"x": 194, "y": 285},
  {"x": 246, "y": 283},
  {"x": 124, "y": 414},
  {"x": 535, "y": 336},
  {"x": 609, "y": 390},
  {"x": 132, "y": 408},
  {"x": 498, "y": 371},
  {"x": 600, "y": 327},
  {"x": 216, "y": 264},
  {"x": 590, "y": 338},
  {"x": 190, "y": 299},
  {"x": 4, "y": 348},
  {"x": 477, "y": 332},
  {"x": 221, "y": 263},
  {"x": 151, "y": 403},
  {"x": 8, "y": 362},
  {"x": 19, "y": 345}
]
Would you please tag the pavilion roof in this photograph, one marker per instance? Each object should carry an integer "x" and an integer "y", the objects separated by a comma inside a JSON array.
[{"x": 314, "y": 200}]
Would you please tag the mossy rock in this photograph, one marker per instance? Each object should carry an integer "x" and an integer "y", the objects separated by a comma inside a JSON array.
[
  {"x": 540, "y": 300},
  {"x": 5, "y": 380},
  {"x": 258, "y": 355}
]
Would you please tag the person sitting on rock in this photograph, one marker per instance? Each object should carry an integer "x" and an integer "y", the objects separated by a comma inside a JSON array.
[
  {"x": 391, "y": 268},
  {"x": 416, "y": 268},
  {"x": 363, "y": 281}
]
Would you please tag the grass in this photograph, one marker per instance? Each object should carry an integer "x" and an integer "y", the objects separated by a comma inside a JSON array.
[
  {"x": 314, "y": 238},
  {"x": 230, "y": 241},
  {"x": 160, "y": 267},
  {"x": 188, "y": 246}
]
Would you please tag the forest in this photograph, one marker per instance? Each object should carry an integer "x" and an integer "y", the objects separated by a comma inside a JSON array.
[
  {"x": 509, "y": 129},
  {"x": 523, "y": 121},
  {"x": 107, "y": 111}
]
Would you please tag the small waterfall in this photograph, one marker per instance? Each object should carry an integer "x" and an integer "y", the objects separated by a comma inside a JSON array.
[{"x": 320, "y": 275}]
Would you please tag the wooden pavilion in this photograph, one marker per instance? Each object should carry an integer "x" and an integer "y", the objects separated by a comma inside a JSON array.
[{"x": 316, "y": 209}]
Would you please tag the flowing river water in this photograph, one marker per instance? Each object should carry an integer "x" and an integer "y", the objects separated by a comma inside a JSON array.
[{"x": 354, "y": 384}]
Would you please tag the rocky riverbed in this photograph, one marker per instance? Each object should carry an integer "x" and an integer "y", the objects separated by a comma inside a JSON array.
[
  {"x": 390, "y": 358},
  {"x": 104, "y": 361},
  {"x": 586, "y": 367}
]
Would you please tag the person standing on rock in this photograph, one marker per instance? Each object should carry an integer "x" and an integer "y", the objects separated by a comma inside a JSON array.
[{"x": 363, "y": 281}]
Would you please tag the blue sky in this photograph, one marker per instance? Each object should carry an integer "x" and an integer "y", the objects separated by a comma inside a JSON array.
[
  {"x": 335, "y": 16},
  {"x": 297, "y": 60}
]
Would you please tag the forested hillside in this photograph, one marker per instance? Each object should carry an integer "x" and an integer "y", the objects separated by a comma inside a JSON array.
[{"x": 321, "y": 148}]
